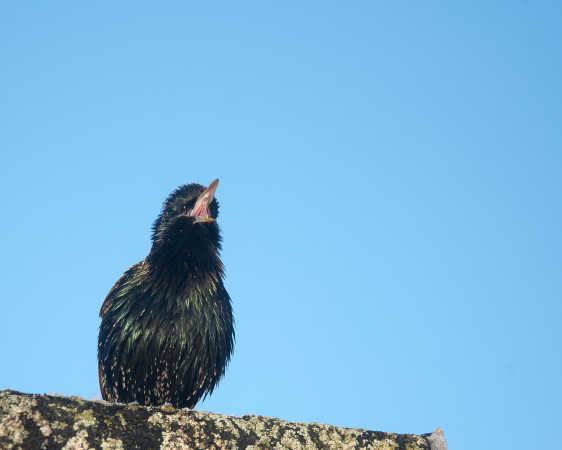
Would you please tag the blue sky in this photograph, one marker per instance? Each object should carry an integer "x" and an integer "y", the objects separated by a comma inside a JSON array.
[{"x": 390, "y": 200}]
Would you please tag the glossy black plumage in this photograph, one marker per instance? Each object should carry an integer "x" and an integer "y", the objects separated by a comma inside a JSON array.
[{"x": 167, "y": 329}]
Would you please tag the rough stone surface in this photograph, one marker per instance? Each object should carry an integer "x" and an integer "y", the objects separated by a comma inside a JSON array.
[{"x": 29, "y": 421}]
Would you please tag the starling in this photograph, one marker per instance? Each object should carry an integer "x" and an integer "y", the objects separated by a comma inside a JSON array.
[{"x": 167, "y": 331}]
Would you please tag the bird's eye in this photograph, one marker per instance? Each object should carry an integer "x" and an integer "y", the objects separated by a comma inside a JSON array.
[{"x": 188, "y": 206}]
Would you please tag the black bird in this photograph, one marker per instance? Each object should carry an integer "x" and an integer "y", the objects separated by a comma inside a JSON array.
[{"x": 167, "y": 331}]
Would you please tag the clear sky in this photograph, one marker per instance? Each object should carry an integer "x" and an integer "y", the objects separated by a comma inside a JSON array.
[{"x": 390, "y": 188}]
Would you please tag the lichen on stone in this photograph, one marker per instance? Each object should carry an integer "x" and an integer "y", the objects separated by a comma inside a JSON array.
[
  {"x": 46, "y": 421},
  {"x": 84, "y": 419}
]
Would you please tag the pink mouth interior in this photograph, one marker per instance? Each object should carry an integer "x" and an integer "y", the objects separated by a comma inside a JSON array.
[{"x": 200, "y": 208}]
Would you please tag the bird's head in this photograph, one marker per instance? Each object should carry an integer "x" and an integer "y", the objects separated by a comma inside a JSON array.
[{"x": 189, "y": 215}]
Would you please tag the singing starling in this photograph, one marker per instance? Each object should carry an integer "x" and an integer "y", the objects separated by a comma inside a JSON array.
[{"x": 167, "y": 331}]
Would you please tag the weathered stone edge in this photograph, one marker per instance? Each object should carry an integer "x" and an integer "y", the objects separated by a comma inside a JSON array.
[{"x": 52, "y": 421}]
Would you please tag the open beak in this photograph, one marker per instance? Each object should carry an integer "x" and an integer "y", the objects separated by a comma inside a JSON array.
[
  {"x": 199, "y": 219},
  {"x": 201, "y": 209}
]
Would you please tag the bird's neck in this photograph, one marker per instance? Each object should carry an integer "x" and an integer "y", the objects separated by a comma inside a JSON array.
[{"x": 186, "y": 267}]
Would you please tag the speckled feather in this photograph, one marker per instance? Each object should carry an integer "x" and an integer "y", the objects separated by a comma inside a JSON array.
[{"x": 167, "y": 329}]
